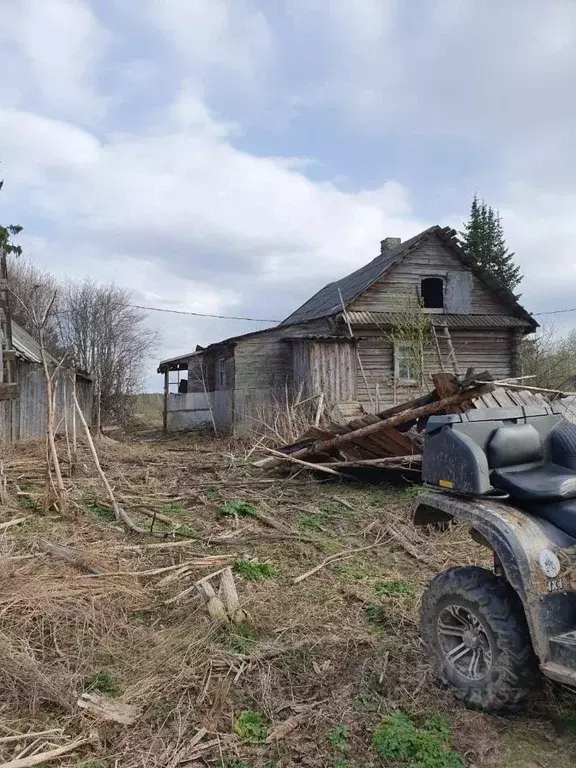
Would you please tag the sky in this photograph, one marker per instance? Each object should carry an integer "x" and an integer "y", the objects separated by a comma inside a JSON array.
[{"x": 232, "y": 156}]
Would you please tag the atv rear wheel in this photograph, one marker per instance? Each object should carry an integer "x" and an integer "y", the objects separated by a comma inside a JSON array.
[{"x": 474, "y": 627}]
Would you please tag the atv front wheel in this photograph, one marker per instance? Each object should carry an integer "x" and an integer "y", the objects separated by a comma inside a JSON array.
[{"x": 474, "y": 627}]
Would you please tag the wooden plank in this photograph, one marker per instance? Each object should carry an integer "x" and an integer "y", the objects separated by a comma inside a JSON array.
[{"x": 393, "y": 421}]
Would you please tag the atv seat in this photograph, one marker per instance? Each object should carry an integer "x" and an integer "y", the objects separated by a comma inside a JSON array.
[
  {"x": 516, "y": 457},
  {"x": 526, "y": 452}
]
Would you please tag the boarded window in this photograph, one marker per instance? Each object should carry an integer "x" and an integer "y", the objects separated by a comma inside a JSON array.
[
  {"x": 432, "y": 292},
  {"x": 221, "y": 373},
  {"x": 406, "y": 366}
]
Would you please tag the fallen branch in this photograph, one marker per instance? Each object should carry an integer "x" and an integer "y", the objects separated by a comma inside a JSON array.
[
  {"x": 44, "y": 757},
  {"x": 324, "y": 446},
  {"x": 387, "y": 461},
  {"x": 212, "y": 560},
  {"x": 339, "y": 556},
  {"x": 407, "y": 545},
  {"x": 279, "y": 457},
  {"x": 15, "y": 521},
  {"x": 119, "y": 513},
  {"x": 70, "y": 556},
  {"x": 32, "y": 735}
]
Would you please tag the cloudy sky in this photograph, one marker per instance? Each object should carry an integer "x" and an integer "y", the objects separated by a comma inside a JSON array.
[{"x": 231, "y": 156}]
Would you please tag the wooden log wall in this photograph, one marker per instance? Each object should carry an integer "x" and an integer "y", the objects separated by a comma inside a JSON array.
[{"x": 432, "y": 259}]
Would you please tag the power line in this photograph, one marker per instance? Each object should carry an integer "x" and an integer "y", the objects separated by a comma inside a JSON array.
[
  {"x": 203, "y": 314},
  {"x": 555, "y": 311}
]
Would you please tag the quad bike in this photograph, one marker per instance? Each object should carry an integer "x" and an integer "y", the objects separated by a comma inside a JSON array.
[{"x": 510, "y": 475}]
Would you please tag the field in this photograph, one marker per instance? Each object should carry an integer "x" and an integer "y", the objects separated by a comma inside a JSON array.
[{"x": 325, "y": 672}]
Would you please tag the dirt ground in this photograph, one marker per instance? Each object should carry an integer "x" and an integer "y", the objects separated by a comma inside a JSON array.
[{"x": 328, "y": 671}]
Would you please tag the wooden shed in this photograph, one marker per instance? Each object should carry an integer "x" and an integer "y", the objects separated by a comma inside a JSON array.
[
  {"x": 341, "y": 343},
  {"x": 23, "y": 415}
]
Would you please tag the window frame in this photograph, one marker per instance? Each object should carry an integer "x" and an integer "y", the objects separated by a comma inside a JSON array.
[
  {"x": 434, "y": 310},
  {"x": 221, "y": 378},
  {"x": 398, "y": 345}
]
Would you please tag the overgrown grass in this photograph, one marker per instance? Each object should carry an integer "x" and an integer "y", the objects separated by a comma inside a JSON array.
[
  {"x": 252, "y": 570},
  {"x": 398, "y": 739},
  {"x": 236, "y": 509},
  {"x": 394, "y": 588}
]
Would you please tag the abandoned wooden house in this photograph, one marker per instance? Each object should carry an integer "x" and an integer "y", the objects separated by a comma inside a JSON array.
[
  {"x": 362, "y": 343},
  {"x": 23, "y": 407}
]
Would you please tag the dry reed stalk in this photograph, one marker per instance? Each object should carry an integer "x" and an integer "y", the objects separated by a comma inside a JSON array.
[{"x": 45, "y": 757}]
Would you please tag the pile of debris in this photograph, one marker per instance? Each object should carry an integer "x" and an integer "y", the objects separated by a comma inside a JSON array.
[{"x": 393, "y": 439}]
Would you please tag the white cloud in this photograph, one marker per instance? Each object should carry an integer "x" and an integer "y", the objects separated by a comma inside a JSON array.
[{"x": 50, "y": 51}]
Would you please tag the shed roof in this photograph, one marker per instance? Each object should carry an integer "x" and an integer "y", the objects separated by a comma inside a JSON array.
[
  {"x": 327, "y": 302},
  {"x": 27, "y": 348}
]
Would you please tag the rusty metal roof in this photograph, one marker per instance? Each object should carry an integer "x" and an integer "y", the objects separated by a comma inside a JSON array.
[{"x": 452, "y": 321}]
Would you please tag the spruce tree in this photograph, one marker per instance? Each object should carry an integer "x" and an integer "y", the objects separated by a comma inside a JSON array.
[{"x": 484, "y": 242}]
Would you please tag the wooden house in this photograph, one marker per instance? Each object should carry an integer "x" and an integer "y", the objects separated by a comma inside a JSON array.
[{"x": 349, "y": 342}]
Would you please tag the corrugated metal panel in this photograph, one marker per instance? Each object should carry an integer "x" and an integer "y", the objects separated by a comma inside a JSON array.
[{"x": 452, "y": 321}]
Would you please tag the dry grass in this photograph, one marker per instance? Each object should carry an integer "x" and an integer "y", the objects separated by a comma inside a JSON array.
[{"x": 338, "y": 649}]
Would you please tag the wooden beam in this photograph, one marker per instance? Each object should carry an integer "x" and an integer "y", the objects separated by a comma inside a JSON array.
[{"x": 323, "y": 446}]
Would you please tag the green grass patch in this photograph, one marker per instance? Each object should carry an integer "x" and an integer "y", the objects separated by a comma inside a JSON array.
[
  {"x": 99, "y": 512},
  {"x": 250, "y": 727},
  {"x": 394, "y": 588},
  {"x": 397, "y": 741},
  {"x": 103, "y": 682},
  {"x": 312, "y": 522},
  {"x": 173, "y": 508},
  {"x": 252, "y": 570},
  {"x": 413, "y": 491},
  {"x": 30, "y": 503},
  {"x": 340, "y": 737},
  {"x": 236, "y": 509}
]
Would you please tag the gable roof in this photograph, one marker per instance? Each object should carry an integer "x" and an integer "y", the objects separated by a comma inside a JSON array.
[{"x": 327, "y": 302}]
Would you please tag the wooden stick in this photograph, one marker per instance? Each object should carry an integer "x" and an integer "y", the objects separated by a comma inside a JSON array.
[
  {"x": 323, "y": 446},
  {"x": 319, "y": 410},
  {"x": 157, "y": 571},
  {"x": 374, "y": 462},
  {"x": 33, "y": 735},
  {"x": 119, "y": 513},
  {"x": 70, "y": 556},
  {"x": 44, "y": 757},
  {"x": 292, "y": 458},
  {"x": 534, "y": 389},
  {"x": 333, "y": 558},
  {"x": 15, "y": 521}
]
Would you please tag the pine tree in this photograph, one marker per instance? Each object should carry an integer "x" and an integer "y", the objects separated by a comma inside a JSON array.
[{"x": 483, "y": 241}]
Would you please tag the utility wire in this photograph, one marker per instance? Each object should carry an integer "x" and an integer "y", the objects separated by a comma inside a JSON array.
[
  {"x": 555, "y": 311},
  {"x": 203, "y": 314}
]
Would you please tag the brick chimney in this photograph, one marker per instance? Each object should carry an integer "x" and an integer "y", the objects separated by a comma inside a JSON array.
[{"x": 388, "y": 243}]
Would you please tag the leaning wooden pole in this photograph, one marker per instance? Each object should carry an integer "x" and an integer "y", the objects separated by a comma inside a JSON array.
[{"x": 400, "y": 418}]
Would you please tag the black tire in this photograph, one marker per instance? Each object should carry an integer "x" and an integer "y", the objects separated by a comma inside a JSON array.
[{"x": 480, "y": 609}]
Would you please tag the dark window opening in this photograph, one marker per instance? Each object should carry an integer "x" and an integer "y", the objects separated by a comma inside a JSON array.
[{"x": 432, "y": 292}]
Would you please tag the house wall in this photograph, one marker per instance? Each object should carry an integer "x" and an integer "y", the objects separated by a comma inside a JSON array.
[
  {"x": 25, "y": 417},
  {"x": 465, "y": 292},
  {"x": 325, "y": 366},
  {"x": 480, "y": 349},
  {"x": 264, "y": 373}
]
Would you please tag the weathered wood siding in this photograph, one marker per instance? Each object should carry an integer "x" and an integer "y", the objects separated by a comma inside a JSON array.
[
  {"x": 325, "y": 366},
  {"x": 479, "y": 349},
  {"x": 463, "y": 291},
  {"x": 264, "y": 373},
  {"x": 25, "y": 416}
]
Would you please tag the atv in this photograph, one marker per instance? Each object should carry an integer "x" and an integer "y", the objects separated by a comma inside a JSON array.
[{"x": 510, "y": 475}]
